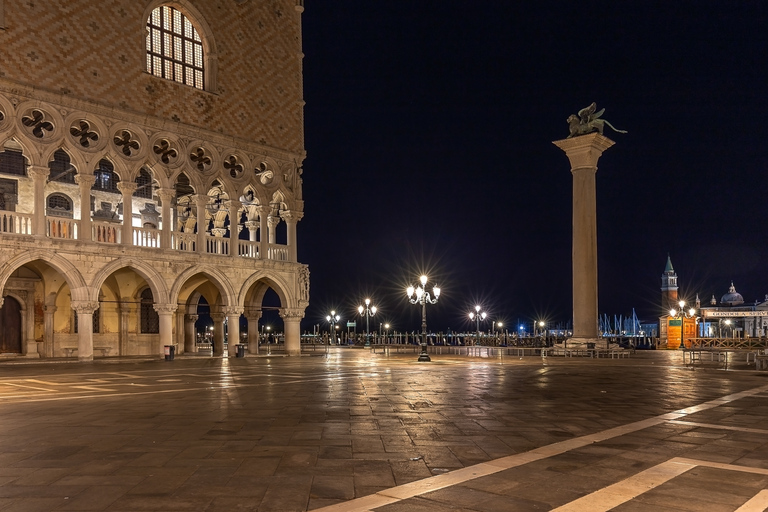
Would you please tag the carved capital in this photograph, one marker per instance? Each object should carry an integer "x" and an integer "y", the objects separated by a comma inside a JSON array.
[
  {"x": 273, "y": 221},
  {"x": 233, "y": 311},
  {"x": 85, "y": 307},
  {"x": 126, "y": 187},
  {"x": 165, "y": 309},
  {"x": 252, "y": 313},
  {"x": 38, "y": 172},
  {"x": 219, "y": 232},
  {"x": 291, "y": 216},
  {"x": 252, "y": 225},
  {"x": 85, "y": 180},
  {"x": 165, "y": 194},
  {"x": 291, "y": 313},
  {"x": 192, "y": 318}
]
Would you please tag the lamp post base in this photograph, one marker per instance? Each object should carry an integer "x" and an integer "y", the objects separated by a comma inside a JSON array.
[{"x": 424, "y": 357}]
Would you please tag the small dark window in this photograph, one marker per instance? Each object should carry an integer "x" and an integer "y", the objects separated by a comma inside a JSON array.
[
  {"x": 150, "y": 320},
  {"x": 143, "y": 184},
  {"x": 59, "y": 205},
  {"x": 61, "y": 168},
  {"x": 106, "y": 178},
  {"x": 13, "y": 162}
]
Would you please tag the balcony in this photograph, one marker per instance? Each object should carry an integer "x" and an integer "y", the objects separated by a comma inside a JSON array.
[{"x": 61, "y": 228}]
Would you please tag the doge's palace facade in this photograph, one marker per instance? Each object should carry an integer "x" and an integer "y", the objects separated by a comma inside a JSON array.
[{"x": 150, "y": 162}]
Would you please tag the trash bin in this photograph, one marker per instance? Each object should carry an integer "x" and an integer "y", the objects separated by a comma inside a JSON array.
[
  {"x": 169, "y": 352},
  {"x": 240, "y": 350}
]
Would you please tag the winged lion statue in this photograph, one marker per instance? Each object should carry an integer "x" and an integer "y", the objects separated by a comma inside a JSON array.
[{"x": 588, "y": 121}]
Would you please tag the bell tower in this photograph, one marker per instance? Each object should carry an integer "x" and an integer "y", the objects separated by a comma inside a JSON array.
[{"x": 668, "y": 287}]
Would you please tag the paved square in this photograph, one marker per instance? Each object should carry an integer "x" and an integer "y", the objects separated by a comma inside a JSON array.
[{"x": 356, "y": 431}]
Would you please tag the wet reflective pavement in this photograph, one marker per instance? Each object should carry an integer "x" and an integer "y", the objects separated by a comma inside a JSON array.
[{"x": 356, "y": 431}]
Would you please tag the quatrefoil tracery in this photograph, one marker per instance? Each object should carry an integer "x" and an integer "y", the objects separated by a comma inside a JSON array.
[
  {"x": 82, "y": 131},
  {"x": 164, "y": 150},
  {"x": 125, "y": 141},
  {"x": 201, "y": 159},
  {"x": 36, "y": 121},
  {"x": 233, "y": 166}
]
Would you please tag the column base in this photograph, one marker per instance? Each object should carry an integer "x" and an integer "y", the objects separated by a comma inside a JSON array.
[{"x": 585, "y": 343}]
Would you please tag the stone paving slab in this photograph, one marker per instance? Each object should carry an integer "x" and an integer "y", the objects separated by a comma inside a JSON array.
[{"x": 356, "y": 431}]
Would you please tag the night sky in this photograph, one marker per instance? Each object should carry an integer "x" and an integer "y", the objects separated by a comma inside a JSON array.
[{"x": 429, "y": 129}]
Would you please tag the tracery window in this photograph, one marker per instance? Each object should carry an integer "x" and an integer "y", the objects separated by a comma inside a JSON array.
[
  {"x": 106, "y": 178},
  {"x": 174, "y": 47},
  {"x": 143, "y": 184},
  {"x": 150, "y": 320},
  {"x": 59, "y": 205},
  {"x": 61, "y": 168}
]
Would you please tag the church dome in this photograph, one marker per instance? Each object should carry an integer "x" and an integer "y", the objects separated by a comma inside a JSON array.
[{"x": 732, "y": 298}]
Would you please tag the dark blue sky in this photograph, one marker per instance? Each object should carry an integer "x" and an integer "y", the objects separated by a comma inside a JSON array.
[{"x": 429, "y": 127}]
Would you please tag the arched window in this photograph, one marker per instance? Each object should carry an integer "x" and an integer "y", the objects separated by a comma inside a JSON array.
[
  {"x": 143, "y": 185},
  {"x": 61, "y": 168},
  {"x": 174, "y": 47},
  {"x": 150, "y": 320},
  {"x": 59, "y": 205},
  {"x": 106, "y": 178}
]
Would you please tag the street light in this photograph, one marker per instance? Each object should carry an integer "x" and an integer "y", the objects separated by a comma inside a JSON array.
[
  {"x": 681, "y": 315},
  {"x": 333, "y": 319},
  {"x": 368, "y": 311},
  {"x": 419, "y": 295},
  {"x": 477, "y": 316}
]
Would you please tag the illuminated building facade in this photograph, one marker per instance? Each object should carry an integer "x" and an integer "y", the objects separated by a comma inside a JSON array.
[{"x": 150, "y": 157}]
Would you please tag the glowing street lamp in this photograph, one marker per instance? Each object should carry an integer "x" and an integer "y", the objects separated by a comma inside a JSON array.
[
  {"x": 477, "y": 316},
  {"x": 368, "y": 311},
  {"x": 333, "y": 319},
  {"x": 681, "y": 315},
  {"x": 419, "y": 295}
]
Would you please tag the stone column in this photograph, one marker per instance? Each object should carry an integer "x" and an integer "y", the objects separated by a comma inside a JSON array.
[
  {"x": 166, "y": 196},
  {"x": 202, "y": 224},
  {"x": 253, "y": 315},
  {"x": 263, "y": 237},
  {"x": 48, "y": 333},
  {"x": 190, "y": 341},
  {"x": 165, "y": 312},
  {"x": 272, "y": 222},
  {"x": 291, "y": 218},
  {"x": 127, "y": 188},
  {"x": 583, "y": 152},
  {"x": 39, "y": 174},
  {"x": 125, "y": 321},
  {"x": 218, "y": 332},
  {"x": 85, "y": 181},
  {"x": 253, "y": 229},
  {"x": 234, "y": 227},
  {"x": 292, "y": 324},
  {"x": 233, "y": 329},
  {"x": 84, "y": 312}
]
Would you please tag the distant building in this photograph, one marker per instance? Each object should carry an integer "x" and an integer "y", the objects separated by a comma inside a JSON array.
[
  {"x": 730, "y": 317},
  {"x": 150, "y": 158}
]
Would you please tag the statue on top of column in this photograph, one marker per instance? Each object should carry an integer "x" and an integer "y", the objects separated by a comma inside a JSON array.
[{"x": 587, "y": 121}]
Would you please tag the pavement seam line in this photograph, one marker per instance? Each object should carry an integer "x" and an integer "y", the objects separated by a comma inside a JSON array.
[{"x": 434, "y": 483}]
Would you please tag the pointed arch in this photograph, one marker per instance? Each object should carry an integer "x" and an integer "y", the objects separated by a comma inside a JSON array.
[{"x": 259, "y": 282}]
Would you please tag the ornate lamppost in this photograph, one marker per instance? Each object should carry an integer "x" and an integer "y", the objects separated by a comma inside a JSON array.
[
  {"x": 420, "y": 296},
  {"x": 477, "y": 316},
  {"x": 333, "y": 319},
  {"x": 368, "y": 311},
  {"x": 681, "y": 316}
]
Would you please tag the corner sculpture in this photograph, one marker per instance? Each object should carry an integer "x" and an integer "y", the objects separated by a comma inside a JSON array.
[{"x": 587, "y": 121}]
